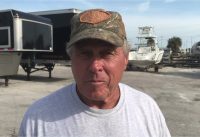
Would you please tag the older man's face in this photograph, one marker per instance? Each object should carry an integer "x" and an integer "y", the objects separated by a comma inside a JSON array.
[{"x": 97, "y": 67}]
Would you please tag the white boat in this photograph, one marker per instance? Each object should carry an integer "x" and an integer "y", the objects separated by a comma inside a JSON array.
[{"x": 148, "y": 54}]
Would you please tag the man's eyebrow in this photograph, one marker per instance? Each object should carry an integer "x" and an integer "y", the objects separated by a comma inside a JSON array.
[
  {"x": 79, "y": 46},
  {"x": 111, "y": 48}
]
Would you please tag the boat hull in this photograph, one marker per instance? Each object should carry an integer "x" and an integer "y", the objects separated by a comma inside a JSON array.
[{"x": 141, "y": 63}]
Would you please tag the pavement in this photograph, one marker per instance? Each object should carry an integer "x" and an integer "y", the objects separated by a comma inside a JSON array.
[{"x": 176, "y": 90}]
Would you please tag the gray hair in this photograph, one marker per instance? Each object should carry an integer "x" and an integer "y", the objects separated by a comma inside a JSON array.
[
  {"x": 126, "y": 47},
  {"x": 69, "y": 50}
]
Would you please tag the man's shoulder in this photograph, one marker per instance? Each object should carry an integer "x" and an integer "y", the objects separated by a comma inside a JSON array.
[
  {"x": 139, "y": 100},
  {"x": 52, "y": 101},
  {"x": 131, "y": 90},
  {"x": 135, "y": 95}
]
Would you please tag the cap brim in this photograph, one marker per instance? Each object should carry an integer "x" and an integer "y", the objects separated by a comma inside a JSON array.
[{"x": 100, "y": 34}]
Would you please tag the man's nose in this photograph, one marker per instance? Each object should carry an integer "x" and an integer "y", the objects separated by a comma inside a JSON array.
[{"x": 96, "y": 65}]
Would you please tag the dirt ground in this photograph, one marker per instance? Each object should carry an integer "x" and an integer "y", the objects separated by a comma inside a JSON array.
[{"x": 176, "y": 90}]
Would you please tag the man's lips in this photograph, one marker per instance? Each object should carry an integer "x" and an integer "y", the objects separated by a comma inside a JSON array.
[{"x": 96, "y": 81}]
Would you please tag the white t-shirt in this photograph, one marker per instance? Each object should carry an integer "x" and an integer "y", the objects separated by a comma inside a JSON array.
[{"x": 63, "y": 114}]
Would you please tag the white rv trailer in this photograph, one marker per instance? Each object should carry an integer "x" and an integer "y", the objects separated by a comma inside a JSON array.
[
  {"x": 61, "y": 20},
  {"x": 21, "y": 32},
  {"x": 148, "y": 55}
]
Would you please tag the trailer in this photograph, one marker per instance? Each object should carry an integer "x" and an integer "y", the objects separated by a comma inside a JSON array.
[
  {"x": 9, "y": 63},
  {"x": 32, "y": 62},
  {"x": 22, "y": 33}
]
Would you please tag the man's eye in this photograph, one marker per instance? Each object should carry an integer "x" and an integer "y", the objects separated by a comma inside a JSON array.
[
  {"x": 85, "y": 54},
  {"x": 108, "y": 53}
]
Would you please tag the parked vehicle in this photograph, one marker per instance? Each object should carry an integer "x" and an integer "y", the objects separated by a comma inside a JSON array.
[
  {"x": 35, "y": 61},
  {"x": 196, "y": 49},
  {"x": 20, "y": 33}
]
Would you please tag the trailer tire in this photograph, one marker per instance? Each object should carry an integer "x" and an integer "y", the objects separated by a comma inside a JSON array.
[{"x": 156, "y": 68}]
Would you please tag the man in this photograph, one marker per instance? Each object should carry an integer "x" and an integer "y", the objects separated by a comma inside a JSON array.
[{"x": 96, "y": 105}]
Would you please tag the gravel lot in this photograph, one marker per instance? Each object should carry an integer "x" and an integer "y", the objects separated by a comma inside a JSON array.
[{"x": 176, "y": 90}]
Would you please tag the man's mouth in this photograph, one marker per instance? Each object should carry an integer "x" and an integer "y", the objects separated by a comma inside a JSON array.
[{"x": 96, "y": 82}]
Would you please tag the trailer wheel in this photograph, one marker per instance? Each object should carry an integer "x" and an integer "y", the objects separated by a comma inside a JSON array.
[
  {"x": 6, "y": 81},
  {"x": 27, "y": 68},
  {"x": 50, "y": 67},
  {"x": 156, "y": 69}
]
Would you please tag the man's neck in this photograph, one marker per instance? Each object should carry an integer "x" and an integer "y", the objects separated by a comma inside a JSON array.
[{"x": 108, "y": 103}]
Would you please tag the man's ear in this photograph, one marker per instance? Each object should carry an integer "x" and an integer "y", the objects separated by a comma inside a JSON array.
[{"x": 126, "y": 60}]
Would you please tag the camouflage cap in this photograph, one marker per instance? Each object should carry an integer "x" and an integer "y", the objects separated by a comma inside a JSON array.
[{"x": 98, "y": 24}]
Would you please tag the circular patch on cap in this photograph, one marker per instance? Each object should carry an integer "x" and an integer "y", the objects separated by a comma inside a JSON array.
[{"x": 94, "y": 16}]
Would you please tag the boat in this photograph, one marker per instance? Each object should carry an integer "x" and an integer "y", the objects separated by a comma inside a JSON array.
[{"x": 148, "y": 54}]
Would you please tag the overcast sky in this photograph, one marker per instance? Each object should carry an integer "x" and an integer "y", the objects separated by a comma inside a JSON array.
[{"x": 168, "y": 17}]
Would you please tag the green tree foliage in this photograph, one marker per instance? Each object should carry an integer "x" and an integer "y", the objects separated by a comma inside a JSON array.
[{"x": 174, "y": 44}]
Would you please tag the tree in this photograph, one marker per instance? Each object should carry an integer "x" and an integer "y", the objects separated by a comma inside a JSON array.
[{"x": 174, "y": 44}]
